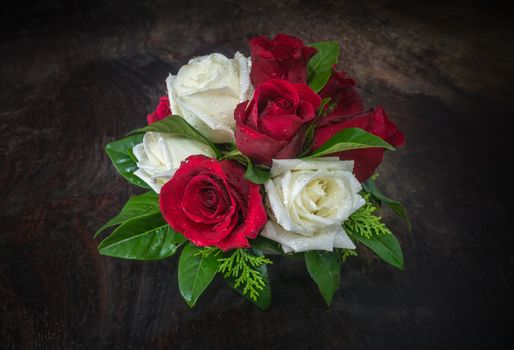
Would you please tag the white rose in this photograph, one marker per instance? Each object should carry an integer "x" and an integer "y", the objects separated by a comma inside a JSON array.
[
  {"x": 309, "y": 200},
  {"x": 206, "y": 91},
  {"x": 159, "y": 156}
]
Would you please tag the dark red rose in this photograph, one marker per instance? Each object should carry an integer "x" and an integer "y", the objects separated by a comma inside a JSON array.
[
  {"x": 283, "y": 57},
  {"x": 212, "y": 204},
  {"x": 375, "y": 122},
  {"x": 341, "y": 89},
  {"x": 162, "y": 111},
  {"x": 272, "y": 125}
]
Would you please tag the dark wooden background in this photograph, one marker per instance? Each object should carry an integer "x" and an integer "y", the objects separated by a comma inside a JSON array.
[{"x": 78, "y": 74}]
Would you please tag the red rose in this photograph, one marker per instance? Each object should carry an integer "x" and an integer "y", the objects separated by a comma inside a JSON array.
[
  {"x": 375, "y": 122},
  {"x": 162, "y": 111},
  {"x": 284, "y": 57},
  {"x": 341, "y": 89},
  {"x": 212, "y": 204},
  {"x": 272, "y": 125}
]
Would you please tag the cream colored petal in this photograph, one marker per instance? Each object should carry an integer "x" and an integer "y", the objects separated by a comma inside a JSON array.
[
  {"x": 245, "y": 85},
  {"x": 284, "y": 186},
  {"x": 355, "y": 201},
  {"x": 296, "y": 242},
  {"x": 215, "y": 106},
  {"x": 179, "y": 148},
  {"x": 324, "y": 163},
  {"x": 279, "y": 211},
  {"x": 358, "y": 202},
  {"x": 342, "y": 240},
  {"x": 139, "y": 152},
  {"x": 143, "y": 175},
  {"x": 160, "y": 154},
  {"x": 209, "y": 127},
  {"x": 175, "y": 108}
]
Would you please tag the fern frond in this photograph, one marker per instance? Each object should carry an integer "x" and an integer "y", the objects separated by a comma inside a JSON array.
[
  {"x": 346, "y": 253},
  {"x": 243, "y": 267},
  {"x": 365, "y": 223}
]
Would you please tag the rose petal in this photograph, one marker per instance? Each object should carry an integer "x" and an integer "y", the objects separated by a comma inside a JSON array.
[
  {"x": 298, "y": 243},
  {"x": 162, "y": 111},
  {"x": 279, "y": 210},
  {"x": 342, "y": 240},
  {"x": 330, "y": 163},
  {"x": 261, "y": 149},
  {"x": 281, "y": 127}
]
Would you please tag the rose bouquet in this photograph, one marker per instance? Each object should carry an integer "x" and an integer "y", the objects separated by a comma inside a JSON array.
[{"x": 250, "y": 157}]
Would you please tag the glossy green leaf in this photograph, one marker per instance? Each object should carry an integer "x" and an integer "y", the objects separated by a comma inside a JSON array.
[
  {"x": 142, "y": 204},
  {"x": 386, "y": 247},
  {"x": 325, "y": 269},
  {"x": 253, "y": 173},
  {"x": 264, "y": 300},
  {"x": 176, "y": 125},
  {"x": 120, "y": 154},
  {"x": 347, "y": 139},
  {"x": 176, "y": 238},
  {"x": 397, "y": 207},
  {"x": 266, "y": 245},
  {"x": 256, "y": 174},
  {"x": 195, "y": 273},
  {"x": 319, "y": 68},
  {"x": 146, "y": 237}
]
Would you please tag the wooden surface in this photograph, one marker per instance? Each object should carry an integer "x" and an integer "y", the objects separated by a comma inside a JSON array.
[{"x": 76, "y": 75}]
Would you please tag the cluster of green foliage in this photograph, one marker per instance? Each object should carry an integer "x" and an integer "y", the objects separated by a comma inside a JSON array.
[
  {"x": 365, "y": 223},
  {"x": 243, "y": 267}
]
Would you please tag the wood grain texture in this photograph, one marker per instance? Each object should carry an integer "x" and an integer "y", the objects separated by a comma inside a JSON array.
[{"x": 76, "y": 75}]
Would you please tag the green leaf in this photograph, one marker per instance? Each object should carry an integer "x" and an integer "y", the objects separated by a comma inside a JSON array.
[
  {"x": 325, "y": 269},
  {"x": 324, "y": 102},
  {"x": 397, "y": 207},
  {"x": 120, "y": 153},
  {"x": 136, "y": 206},
  {"x": 253, "y": 173},
  {"x": 320, "y": 65},
  {"x": 256, "y": 174},
  {"x": 311, "y": 128},
  {"x": 350, "y": 138},
  {"x": 266, "y": 245},
  {"x": 263, "y": 300},
  {"x": 195, "y": 272},
  {"x": 386, "y": 247},
  {"x": 176, "y": 125},
  {"x": 146, "y": 237}
]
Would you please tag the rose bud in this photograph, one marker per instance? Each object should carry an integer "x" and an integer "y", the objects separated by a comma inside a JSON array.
[
  {"x": 162, "y": 111},
  {"x": 283, "y": 57},
  {"x": 342, "y": 92}
]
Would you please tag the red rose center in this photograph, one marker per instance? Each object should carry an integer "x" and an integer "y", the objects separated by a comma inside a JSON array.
[
  {"x": 278, "y": 106},
  {"x": 210, "y": 198},
  {"x": 207, "y": 200}
]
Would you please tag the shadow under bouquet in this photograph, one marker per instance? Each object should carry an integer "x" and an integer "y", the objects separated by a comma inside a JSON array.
[{"x": 248, "y": 157}]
